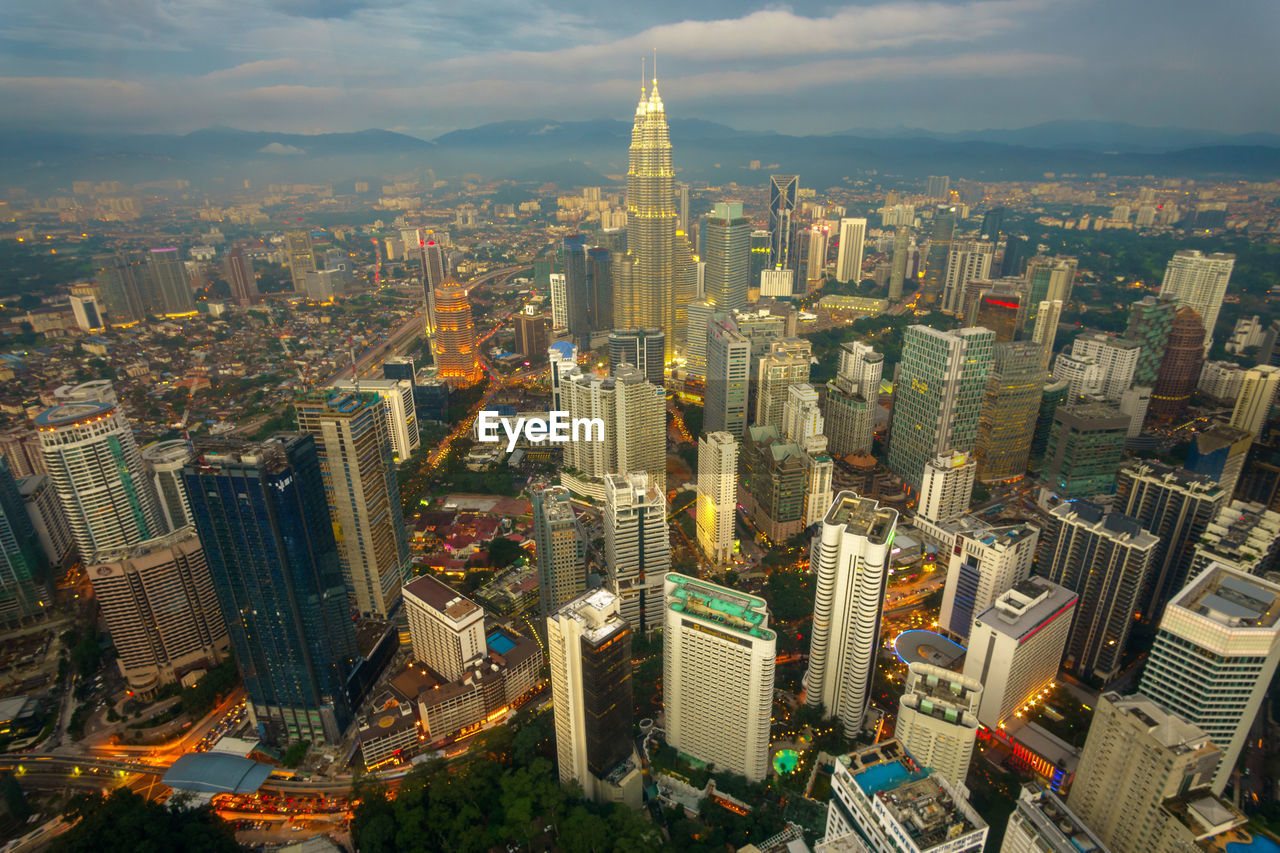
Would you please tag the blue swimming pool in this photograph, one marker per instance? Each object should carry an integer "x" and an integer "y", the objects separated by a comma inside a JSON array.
[
  {"x": 500, "y": 642},
  {"x": 1260, "y": 844},
  {"x": 880, "y": 777}
]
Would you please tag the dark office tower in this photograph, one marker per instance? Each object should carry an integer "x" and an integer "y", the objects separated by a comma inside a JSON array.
[
  {"x": 1017, "y": 251},
  {"x": 898, "y": 275},
  {"x": 1219, "y": 453},
  {"x": 577, "y": 289},
  {"x": 1050, "y": 278},
  {"x": 1053, "y": 395},
  {"x": 640, "y": 348},
  {"x": 1105, "y": 559},
  {"x": 783, "y": 192},
  {"x": 1175, "y": 506},
  {"x": 935, "y": 271},
  {"x": 728, "y": 244},
  {"x": 1179, "y": 368},
  {"x": 1009, "y": 406},
  {"x": 434, "y": 270},
  {"x": 600, "y": 276},
  {"x": 239, "y": 272},
  {"x": 531, "y": 334},
  {"x": 21, "y": 561},
  {"x": 399, "y": 368},
  {"x": 1086, "y": 444},
  {"x": 993, "y": 225},
  {"x": 758, "y": 261},
  {"x": 168, "y": 288},
  {"x": 120, "y": 281},
  {"x": 1150, "y": 320},
  {"x": 261, "y": 514}
]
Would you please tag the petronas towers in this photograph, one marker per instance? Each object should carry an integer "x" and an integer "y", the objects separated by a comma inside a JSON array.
[{"x": 659, "y": 276}]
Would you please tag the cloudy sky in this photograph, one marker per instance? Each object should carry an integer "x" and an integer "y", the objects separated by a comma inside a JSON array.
[{"x": 426, "y": 68}]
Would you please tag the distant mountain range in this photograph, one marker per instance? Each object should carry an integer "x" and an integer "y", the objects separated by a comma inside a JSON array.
[{"x": 568, "y": 152}]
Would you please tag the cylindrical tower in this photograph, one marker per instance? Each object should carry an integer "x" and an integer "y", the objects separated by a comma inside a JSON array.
[
  {"x": 455, "y": 336},
  {"x": 164, "y": 461},
  {"x": 1180, "y": 367}
]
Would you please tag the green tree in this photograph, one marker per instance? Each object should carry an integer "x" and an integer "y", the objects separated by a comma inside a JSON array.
[{"x": 125, "y": 822}]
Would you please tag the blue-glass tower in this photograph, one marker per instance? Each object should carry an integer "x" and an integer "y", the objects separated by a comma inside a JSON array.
[
  {"x": 261, "y": 514},
  {"x": 22, "y": 591}
]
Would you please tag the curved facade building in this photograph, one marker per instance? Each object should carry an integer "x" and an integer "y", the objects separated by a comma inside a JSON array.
[
  {"x": 455, "y": 339},
  {"x": 1180, "y": 367},
  {"x": 99, "y": 477},
  {"x": 164, "y": 461},
  {"x": 159, "y": 604},
  {"x": 852, "y": 560}
]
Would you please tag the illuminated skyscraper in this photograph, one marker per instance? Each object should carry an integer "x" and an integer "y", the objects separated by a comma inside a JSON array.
[
  {"x": 786, "y": 364},
  {"x": 560, "y": 549},
  {"x": 717, "y": 494},
  {"x": 852, "y": 399},
  {"x": 944, "y": 226},
  {"x": 664, "y": 269},
  {"x": 898, "y": 275},
  {"x": 758, "y": 261},
  {"x": 1257, "y": 396},
  {"x": 456, "y": 360},
  {"x": 967, "y": 260},
  {"x": 637, "y": 547},
  {"x": 1009, "y": 407}
]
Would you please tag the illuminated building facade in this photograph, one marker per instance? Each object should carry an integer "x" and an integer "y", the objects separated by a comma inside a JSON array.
[{"x": 457, "y": 360}]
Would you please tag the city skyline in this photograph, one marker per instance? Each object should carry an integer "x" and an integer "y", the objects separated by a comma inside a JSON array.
[{"x": 178, "y": 69}]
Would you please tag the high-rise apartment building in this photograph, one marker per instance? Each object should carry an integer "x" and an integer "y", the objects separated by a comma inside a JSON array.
[
  {"x": 363, "y": 493},
  {"x": 852, "y": 558},
  {"x": 85, "y": 311},
  {"x": 1045, "y": 329},
  {"x": 167, "y": 288},
  {"x": 560, "y": 549},
  {"x": 1104, "y": 558},
  {"x": 99, "y": 476},
  {"x": 938, "y": 187},
  {"x": 883, "y": 799},
  {"x": 51, "y": 528},
  {"x": 967, "y": 261},
  {"x": 986, "y": 560},
  {"x": 938, "y": 720},
  {"x": 445, "y": 627},
  {"x": 562, "y": 358},
  {"x": 947, "y": 487},
  {"x": 1049, "y": 278},
  {"x": 727, "y": 237},
  {"x": 457, "y": 359},
  {"x": 1244, "y": 536},
  {"x": 941, "y": 381},
  {"x": 559, "y": 295},
  {"x": 786, "y": 364},
  {"x": 642, "y": 349},
  {"x": 1007, "y": 421},
  {"x": 300, "y": 257},
  {"x": 238, "y": 268},
  {"x": 698, "y": 317},
  {"x": 1016, "y": 646},
  {"x": 283, "y": 599},
  {"x": 853, "y": 235},
  {"x": 1084, "y": 449},
  {"x": 717, "y": 675},
  {"x": 728, "y": 379},
  {"x": 1143, "y": 779},
  {"x": 1177, "y": 507},
  {"x": 717, "y": 505},
  {"x": 1257, "y": 396},
  {"x": 663, "y": 280},
  {"x": 1179, "y": 368},
  {"x": 164, "y": 461},
  {"x": 400, "y": 414},
  {"x": 434, "y": 269},
  {"x": 157, "y": 600},
  {"x": 1042, "y": 823},
  {"x": 1150, "y": 320},
  {"x": 1117, "y": 358},
  {"x": 589, "y": 650},
  {"x": 1199, "y": 281},
  {"x": 1215, "y": 655},
  {"x": 120, "y": 281},
  {"x": 637, "y": 547},
  {"x": 1083, "y": 374},
  {"x": 852, "y": 399}
]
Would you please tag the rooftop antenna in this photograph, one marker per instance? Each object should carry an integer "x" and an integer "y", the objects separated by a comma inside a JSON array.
[
  {"x": 642, "y": 86},
  {"x": 655, "y": 68}
]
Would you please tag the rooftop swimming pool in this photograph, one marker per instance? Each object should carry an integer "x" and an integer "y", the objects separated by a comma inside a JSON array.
[{"x": 500, "y": 642}]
